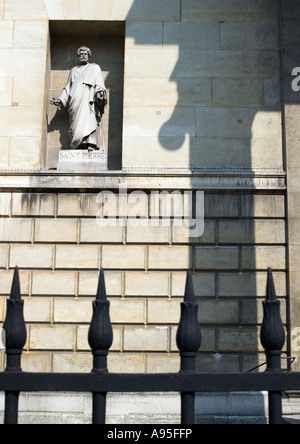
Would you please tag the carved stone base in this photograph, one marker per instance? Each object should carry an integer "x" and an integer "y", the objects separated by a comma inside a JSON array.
[{"x": 82, "y": 161}]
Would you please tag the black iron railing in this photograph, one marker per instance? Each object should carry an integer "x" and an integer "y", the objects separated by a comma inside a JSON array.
[{"x": 99, "y": 382}]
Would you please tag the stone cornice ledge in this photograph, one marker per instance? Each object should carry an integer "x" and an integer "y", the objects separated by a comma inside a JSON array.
[{"x": 142, "y": 179}]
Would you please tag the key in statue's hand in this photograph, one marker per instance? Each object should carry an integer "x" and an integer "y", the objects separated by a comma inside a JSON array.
[{"x": 56, "y": 102}]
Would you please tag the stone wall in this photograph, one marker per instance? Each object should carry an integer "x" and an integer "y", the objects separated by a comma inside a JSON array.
[
  {"x": 202, "y": 87},
  {"x": 201, "y": 82},
  {"x": 290, "y": 27},
  {"x": 55, "y": 240}
]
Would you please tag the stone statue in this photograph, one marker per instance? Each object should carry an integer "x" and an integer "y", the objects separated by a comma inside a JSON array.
[{"x": 84, "y": 97}]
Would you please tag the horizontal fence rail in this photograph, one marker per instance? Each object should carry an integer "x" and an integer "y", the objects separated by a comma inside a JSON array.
[
  {"x": 165, "y": 382},
  {"x": 99, "y": 382}
]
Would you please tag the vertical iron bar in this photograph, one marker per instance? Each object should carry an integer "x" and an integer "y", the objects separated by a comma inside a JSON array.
[
  {"x": 273, "y": 340},
  {"x": 15, "y": 338},
  {"x": 188, "y": 341},
  {"x": 275, "y": 408},
  {"x": 100, "y": 340},
  {"x": 11, "y": 408},
  {"x": 99, "y": 408}
]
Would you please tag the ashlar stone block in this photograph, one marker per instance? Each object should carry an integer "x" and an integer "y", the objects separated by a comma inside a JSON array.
[
  {"x": 163, "y": 311},
  {"x": 237, "y": 92},
  {"x": 30, "y": 34},
  {"x": 15, "y": 59},
  {"x": 36, "y": 362},
  {"x": 261, "y": 258},
  {"x": 159, "y": 122},
  {"x": 148, "y": 234},
  {"x": 72, "y": 310},
  {"x": 25, "y": 152},
  {"x": 77, "y": 257},
  {"x": 147, "y": 284},
  {"x": 1, "y": 9},
  {"x": 54, "y": 9},
  {"x": 15, "y": 230},
  {"x": 189, "y": 35},
  {"x": 163, "y": 364},
  {"x": 4, "y": 149},
  {"x": 146, "y": 339},
  {"x": 5, "y": 204},
  {"x": 31, "y": 256},
  {"x": 218, "y": 258},
  {"x": 6, "y": 32},
  {"x": 164, "y": 92},
  {"x": 233, "y": 340},
  {"x": 29, "y": 91},
  {"x": 145, "y": 10},
  {"x": 33, "y": 204},
  {"x": 123, "y": 257},
  {"x": 56, "y": 230},
  {"x": 53, "y": 283},
  {"x": 92, "y": 232},
  {"x": 151, "y": 62},
  {"x": 18, "y": 9},
  {"x": 78, "y": 205},
  {"x": 72, "y": 363},
  {"x": 252, "y": 231},
  {"x": 6, "y": 90},
  {"x": 37, "y": 310},
  {"x": 218, "y": 312},
  {"x": 170, "y": 258},
  {"x": 127, "y": 363},
  {"x": 249, "y": 36},
  {"x": 132, "y": 311},
  {"x": 225, "y": 10},
  {"x": 231, "y": 63},
  {"x": 43, "y": 337},
  {"x": 238, "y": 123},
  {"x": 144, "y": 34},
  {"x": 28, "y": 121},
  {"x": 263, "y": 206}
]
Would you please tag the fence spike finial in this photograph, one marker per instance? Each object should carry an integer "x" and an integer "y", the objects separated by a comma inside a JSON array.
[
  {"x": 100, "y": 333},
  {"x": 100, "y": 340},
  {"x": 101, "y": 291},
  {"x": 272, "y": 331},
  {"x": 189, "y": 289},
  {"x": 273, "y": 340},
  {"x": 14, "y": 326},
  {"x": 188, "y": 341},
  {"x": 15, "y": 289},
  {"x": 271, "y": 293},
  {"x": 189, "y": 332}
]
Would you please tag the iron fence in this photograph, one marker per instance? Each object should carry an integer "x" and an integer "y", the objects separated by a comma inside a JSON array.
[{"x": 187, "y": 382}]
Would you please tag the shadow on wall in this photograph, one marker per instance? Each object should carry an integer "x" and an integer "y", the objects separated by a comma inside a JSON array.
[
  {"x": 214, "y": 101},
  {"x": 214, "y": 94}
]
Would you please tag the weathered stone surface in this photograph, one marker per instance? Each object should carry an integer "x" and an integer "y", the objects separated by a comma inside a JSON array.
[
  {"x": 6, "y": 33},
  {"x": 51, "y": 338},
  {"x": 219, "y": 10},
  {"x": 30, "y": 34},
  {"x": 31, "y": 256}
]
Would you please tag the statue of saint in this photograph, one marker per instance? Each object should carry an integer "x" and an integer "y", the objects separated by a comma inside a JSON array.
[{"x": 84, "y": 97}]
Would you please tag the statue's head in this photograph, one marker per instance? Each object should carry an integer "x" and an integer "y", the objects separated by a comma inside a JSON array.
[{"x": 84, "y": 53}]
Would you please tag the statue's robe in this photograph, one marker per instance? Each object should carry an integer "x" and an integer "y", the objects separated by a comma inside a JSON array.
[{"x": 79, "y": 97}]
